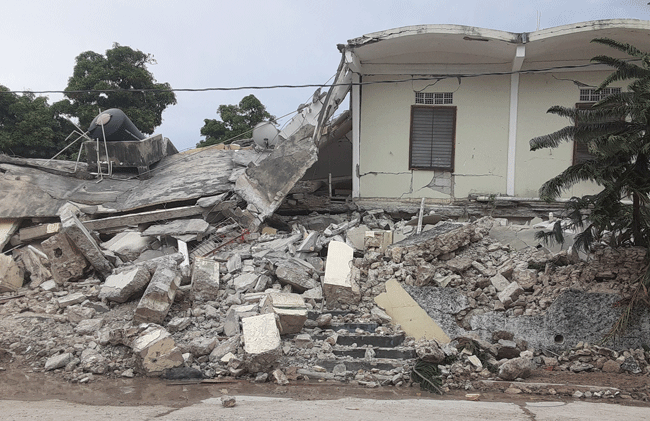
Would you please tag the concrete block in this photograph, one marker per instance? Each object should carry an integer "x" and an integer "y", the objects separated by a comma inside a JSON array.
[
  {"x": 246, "y": 281},
  {"x": 11, "y": 275},
  {"x": 58, "y": 361},
  {"x": 226, "y": 347},
  {"x": 290, "y": 310},
  {"x": 85, "y": 243},
  {"x": 403, "y": 309},
  {"x": 66, "y": 262},
  {"x": 298, "y": 276},
  {"x": 71, "y": 299},
  {"x": 338, "y": 285},
  {"x": 499, "y": 282},
  {"x": 128, "y": 245},
  {"x": 262, "y": 343},
  {"x": 158, "y": 297},
  {"x": 157, "y": 351},
  {"x": 178, "y": 227},
  {"x": 526, "y": 278},
  {"x": 32, "y": 262},
  {"x": 205, "y": 279},
  {"x": 49, "y": 286},
  {"x": 234, "y": 263},
  {"x": 231, "y": 324},
  {"x": 379, "y": 240},
  {"x": 355, "y": 237},
  {"x": 122, "y": 286},
  {"x": 510, "y": 294}
]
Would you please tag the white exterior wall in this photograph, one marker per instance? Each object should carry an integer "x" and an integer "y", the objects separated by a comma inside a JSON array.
[
  {"x": 481, "y": 149},
  {"x": 537, "y": 93},
  {"x": 481, "y": 138}
]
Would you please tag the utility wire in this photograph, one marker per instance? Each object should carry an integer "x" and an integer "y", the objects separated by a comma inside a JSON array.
[{"x": 242, "y": 88}]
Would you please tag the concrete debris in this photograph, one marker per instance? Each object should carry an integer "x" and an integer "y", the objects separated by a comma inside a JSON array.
[
  {"x": 228, "y": 401},
  {"x": 67, "y": 264},
  {"x": 262, "y": 342},
  {"x": 318, "y": 296},
  {"x": 128, "y": 245},
  {"x": 290, "y": 311},
  {"x": 205, "y": 280},
  {"x": 84, "y": 242},
  {"x": 159, "y": 296},
  {"x": 120, "y": 287},
  {"x": 11, "y": 275},
  {"x": 338, "y": 283},
  {"x": 157, "y": 351}
]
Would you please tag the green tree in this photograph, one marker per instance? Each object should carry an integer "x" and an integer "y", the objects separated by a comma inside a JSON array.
[
  {"x": 236, "y": 120},
  {"x": 121, "y": 71},
  {"x": 617, "y": 132},
  {"x": 30, "y": 127}
]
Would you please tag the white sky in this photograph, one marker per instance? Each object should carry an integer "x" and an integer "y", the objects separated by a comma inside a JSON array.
[{"x": 203, "y": 43}]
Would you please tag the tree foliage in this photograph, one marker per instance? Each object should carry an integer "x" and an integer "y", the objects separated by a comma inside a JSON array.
[
  {"x": 29, "y": 126},
  {"x": 121, "y": 70},
  {"x": 236, "y": 120},
  {"x": 616, "y": 130}
]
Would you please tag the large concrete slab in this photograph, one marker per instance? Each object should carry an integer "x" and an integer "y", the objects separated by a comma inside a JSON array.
[
  {"x": 159, "y": 296},
  {"x": 81, "y": 238},
  {"x": 338, "y": 285},
  {"x": 290, "y": 310},
  {"x": 262, "y": 342},
  {"x": 120, "y": 287},
  {"x": 406, "y": 312}
]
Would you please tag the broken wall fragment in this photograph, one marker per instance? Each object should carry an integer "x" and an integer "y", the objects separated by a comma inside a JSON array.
[
  {"x": 290, "y": 310},
  {"x": 66, "y": 262},
  {"x": 338, "y": 283},
  {"x": 159, "y": 296}
]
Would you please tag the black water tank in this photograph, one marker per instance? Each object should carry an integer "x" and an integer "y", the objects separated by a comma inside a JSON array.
[{"x": 117, "y": 126}]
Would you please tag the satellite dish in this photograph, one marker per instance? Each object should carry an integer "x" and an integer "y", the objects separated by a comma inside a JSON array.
[{"x": 265, "y": 134}]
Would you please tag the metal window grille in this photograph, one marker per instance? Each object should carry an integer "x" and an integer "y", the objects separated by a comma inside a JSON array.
[
  {"x": 434, "y": 98},
  {"x": 591, "y": 95}
]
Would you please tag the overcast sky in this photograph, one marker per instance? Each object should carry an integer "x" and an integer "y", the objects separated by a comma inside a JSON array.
[{"x": 203, "y": 43}]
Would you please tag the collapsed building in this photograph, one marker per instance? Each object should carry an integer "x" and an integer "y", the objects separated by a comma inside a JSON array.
[{"x": 214, "y": 260}]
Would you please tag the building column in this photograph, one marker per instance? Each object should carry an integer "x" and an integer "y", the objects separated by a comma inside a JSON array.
[{"x": 512, "y": 128}]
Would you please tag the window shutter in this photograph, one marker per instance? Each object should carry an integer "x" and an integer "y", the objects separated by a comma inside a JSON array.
[{"x": 432, "y": 137}]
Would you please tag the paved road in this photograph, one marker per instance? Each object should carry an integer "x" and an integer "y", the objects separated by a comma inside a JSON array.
[{"x": 271, "y": 409}]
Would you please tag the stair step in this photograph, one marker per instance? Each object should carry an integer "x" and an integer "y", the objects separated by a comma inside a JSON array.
[
  {"x": 388, "y": 341},
  {"x": 391, "y": 353},
  {"x": 386, "y": 365}
]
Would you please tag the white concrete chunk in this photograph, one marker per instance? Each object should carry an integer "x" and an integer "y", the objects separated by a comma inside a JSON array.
[
  {"x": 128, "y": 245},
  {"x": 338, "y": 285},
  {"x": 157, "y": 351},
  {"x": 290, "y": 310},
  {"x": 205, "y": 279},
  {"x": 11, "y": 276},
  {"x": 262, "y": 342},
  {"x": 122, "y": 286},
  {"x": 499, "y": 282},
  {"x": 158, "y": 297}
]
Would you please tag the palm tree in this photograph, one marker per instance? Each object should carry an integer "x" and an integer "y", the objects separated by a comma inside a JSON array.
[{"x": 616, "y": 131}]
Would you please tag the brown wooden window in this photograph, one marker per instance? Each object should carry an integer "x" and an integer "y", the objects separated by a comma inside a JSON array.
[{"x": 433, "y": 133}]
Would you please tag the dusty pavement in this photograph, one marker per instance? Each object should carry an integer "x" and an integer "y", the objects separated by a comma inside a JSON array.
[{"x": 255, "y": 407}]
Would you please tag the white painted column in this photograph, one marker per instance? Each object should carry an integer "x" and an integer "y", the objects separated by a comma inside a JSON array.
[
  {"x": 355, "y": 106},
  {"x": 512, "y": 128}
]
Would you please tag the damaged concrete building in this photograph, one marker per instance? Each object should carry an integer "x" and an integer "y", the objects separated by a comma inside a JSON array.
[{"x": 214, "y": 260}]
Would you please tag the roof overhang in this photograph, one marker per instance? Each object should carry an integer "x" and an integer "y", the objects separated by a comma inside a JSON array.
[{"x": 457, "y": 49}]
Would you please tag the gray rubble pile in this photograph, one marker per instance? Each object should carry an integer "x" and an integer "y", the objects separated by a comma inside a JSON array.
[{"x": 298, "y": 301}]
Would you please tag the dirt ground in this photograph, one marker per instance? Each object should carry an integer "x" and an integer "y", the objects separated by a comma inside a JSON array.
[{"x": 16, "y": 384}]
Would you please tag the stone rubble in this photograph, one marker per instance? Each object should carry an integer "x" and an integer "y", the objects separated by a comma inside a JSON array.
[{"x": 298, "y": 303}]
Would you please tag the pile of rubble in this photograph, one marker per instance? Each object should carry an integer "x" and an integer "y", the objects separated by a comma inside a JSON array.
[{"x": 299, "y": 300}]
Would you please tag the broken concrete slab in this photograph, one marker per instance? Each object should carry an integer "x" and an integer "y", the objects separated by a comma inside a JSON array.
[
  {"x": 262, "y": 343},
  {"x": 355, "y": 237},
  {"x": 246, "y": 281},
  {"x": 58, "y": 361},
  {"x": 379, "y": 240},
  {"x": 499, "y": 282},
  {"x": 66, "y": 262},
  {"x": 308, "y": 244},
  {"x": 298, "y": 276},
  {"x": 510, "y": 294},
  {"x": 120, "y": 287},
  {"x": 157, "y": 351},
  {"x": 158, "y": 297},
  {"x": 264, "y": 186},
  {"x": 210, "y": 201},
  {"x": 290, "y": 310},
  {"x": 338, "y": 285},
  {"x": 205, "y": 279},
  {"x": 11, "y": 275},
  {"x": 7, "y": 228},
  {"x": 38, "y": 232},
  {"x": 403, "y": 309},
  {"x": 85, "y": 243},
  {"x": 225, "y": 347},
  {"x": 71, "y": 299},
  {"x": 178, "y": 227},
  {"x": 32, "y": 261},
  {"x": 128, "y": 245}
]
